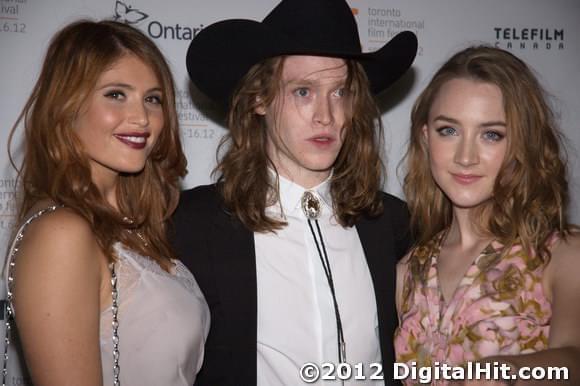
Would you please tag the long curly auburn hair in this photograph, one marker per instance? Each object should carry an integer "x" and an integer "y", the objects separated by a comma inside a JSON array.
[
  {"x": 530, "y": 194},
  {"x": 55, "y": 165},
  {"x": 243, "y": 177}
]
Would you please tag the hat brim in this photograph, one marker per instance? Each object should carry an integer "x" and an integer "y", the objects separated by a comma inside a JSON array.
[{"x": 217, "y": 69}]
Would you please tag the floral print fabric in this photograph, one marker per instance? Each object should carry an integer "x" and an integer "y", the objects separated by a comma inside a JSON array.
[{"x": 498, "y": 308}]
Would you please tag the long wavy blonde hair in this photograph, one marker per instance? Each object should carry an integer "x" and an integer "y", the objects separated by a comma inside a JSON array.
[
  {"x": 55, "y": 165},
  {"x": 530, "y": 194},
  {"x": 244, "y": 182}
]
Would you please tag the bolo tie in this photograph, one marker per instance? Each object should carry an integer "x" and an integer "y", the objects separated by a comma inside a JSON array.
[{"x": 312, "y": 210}]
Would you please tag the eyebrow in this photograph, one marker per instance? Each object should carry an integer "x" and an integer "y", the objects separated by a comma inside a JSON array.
[
  {"x": 308, "y": 82},
  {"x": 301, "y": 82},
  {"x": 127, "y": 86},
  {"x": 455, "y": 121}
]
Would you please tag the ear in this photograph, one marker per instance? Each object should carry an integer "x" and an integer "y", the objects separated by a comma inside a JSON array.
[
  {"x": 425, "y": 131},
  {"x": 260, "y": 108}
]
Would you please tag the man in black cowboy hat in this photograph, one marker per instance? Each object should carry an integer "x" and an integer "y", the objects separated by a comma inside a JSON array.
[{"x": 295, "y": 247}]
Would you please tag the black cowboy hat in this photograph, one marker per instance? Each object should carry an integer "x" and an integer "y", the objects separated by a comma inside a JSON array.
[{"x": 222, "y": 53}]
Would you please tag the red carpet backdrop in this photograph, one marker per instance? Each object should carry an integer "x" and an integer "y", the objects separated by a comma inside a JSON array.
[{"x": 546, "y": 34}]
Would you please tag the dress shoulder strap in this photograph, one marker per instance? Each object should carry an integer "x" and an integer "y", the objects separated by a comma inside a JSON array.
[{"x": 8, "y": 270}]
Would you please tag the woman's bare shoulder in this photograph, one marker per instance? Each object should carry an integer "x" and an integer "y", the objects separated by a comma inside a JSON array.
[{"x": 61, "y": 235}]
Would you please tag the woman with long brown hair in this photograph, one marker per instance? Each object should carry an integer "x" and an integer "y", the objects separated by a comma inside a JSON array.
[
  {"x": 493, "y": 275},
  {"x": 93, "y": 286}
]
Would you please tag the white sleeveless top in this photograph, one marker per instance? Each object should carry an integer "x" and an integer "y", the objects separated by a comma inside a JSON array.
[{"x": 163, "y": 321}]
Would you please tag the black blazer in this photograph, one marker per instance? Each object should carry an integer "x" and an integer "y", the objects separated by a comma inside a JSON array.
[{"x": 220, "y": 253}]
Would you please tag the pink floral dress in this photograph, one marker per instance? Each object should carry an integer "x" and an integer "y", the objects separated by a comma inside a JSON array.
[{"x": 499, "y": 308}]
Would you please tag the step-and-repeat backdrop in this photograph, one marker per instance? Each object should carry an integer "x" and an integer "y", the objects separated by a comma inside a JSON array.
[{"x": 546, "y": 34}]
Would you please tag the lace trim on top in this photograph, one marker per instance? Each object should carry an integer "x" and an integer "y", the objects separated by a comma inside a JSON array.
[{"x": 130, "y": 265}]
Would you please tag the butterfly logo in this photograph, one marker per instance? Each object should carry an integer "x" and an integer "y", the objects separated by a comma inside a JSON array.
[{"x": 125, "y": 13}]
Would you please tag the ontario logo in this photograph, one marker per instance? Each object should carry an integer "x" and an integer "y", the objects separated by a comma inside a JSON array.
[
  {"x": 156, "y": 29},
  {"x": 127, "y": 14},
  {"x": 529, "y": 38}
]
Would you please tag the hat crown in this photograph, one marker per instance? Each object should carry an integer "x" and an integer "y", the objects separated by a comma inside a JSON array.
[
  {"x": 318, "y": 25},
  {"x": 222, "y": 53}
]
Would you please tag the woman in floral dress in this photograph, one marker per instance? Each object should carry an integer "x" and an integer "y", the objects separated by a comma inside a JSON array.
[{"x": 494, "y": 276}]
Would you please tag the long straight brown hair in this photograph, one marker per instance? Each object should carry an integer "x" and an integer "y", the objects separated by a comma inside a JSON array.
[
  {"x": 242, "y": 171},
  {"x": 55, "y": 165},
  {"x": 530, "y": 194}
]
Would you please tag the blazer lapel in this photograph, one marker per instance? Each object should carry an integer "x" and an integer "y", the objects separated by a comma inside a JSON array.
[
  {"x": 378, "y": 245},
  {"x": 235, "y": 275}
]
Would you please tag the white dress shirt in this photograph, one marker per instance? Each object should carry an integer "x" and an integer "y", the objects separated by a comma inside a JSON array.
[{"x": 296, "y": 318}]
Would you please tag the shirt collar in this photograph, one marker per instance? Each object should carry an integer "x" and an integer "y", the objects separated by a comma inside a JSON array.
[{"x": 291, "y": 195}]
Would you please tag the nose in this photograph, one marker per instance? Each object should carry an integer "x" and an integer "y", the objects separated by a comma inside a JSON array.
[
  {"x": 467, "y": 152},
  {"x": 323, "y": 114},
  {"x": 138, "y": 114}
]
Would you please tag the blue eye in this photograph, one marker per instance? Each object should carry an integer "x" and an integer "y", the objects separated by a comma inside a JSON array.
[
  {"x": 493, "y": 136},
  {"x": 302, "y": 92},
  {"x": 339, "y": 92},
  {"x": 446, "y": 131}
]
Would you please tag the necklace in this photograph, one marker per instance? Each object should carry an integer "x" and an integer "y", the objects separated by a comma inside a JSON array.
[{"x": 136, "y": 232}]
